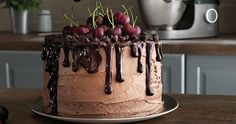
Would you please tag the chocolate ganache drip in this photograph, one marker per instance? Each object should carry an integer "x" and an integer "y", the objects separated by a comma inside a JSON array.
[
  {"x": 136, "y": 51},
  {"x": 51, "y": 55},
  {"x": 149, "y": 49},
  {"x": 119, "y": 63},
  {"x": 75, "y": 57},
  {"x": 140, "y": 65},
  {"x": 108, "y": 81},
  {"x": 86, "y": 53},
  {"x": 158, "y": 47},
  {"x": 66, "y": 62},
  {"x": 90, "y": 58}
]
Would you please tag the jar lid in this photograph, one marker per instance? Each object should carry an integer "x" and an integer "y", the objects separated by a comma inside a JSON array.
[{"x": 44, "y": 12}]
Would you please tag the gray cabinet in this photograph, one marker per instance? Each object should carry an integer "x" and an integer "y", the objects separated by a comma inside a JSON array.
[
  {"x": 173, "y": 73},
  {"x": 21, "y": 69},
  {"x": 211, "y": 75}
]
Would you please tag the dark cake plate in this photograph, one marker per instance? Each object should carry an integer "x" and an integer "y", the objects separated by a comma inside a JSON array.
[{"x": 170, "y": 104}]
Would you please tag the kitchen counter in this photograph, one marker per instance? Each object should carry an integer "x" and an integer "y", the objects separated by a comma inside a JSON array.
[
  {"x": 224, "y": 44},
  {"x": 193, "y": 109},
  {"x": 29, "y": 42}
]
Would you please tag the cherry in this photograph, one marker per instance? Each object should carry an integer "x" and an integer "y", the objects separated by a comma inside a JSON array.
[
  {"x": 90, "y": 21},
  {"x": 121, "y": 18},
  {"x": 73, "y": 30},
  {"x": 116, "y": 31},
  {"x": 105, "y": 20},
  {"x": 119, "y": 25},
  {"x": 99, "y": 32},
  {"x": 67, "y": 30},
  {"x": 104, "y": 27},
  {"x": 130, "y": 30},
  {"x": 82, "y": 29},
  {"x": 98, "y": 20}
]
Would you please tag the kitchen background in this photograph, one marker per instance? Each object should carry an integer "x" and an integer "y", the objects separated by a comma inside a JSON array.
[
  {"x": 59, "y": 7},
  {"x": 196, "y": 66}
]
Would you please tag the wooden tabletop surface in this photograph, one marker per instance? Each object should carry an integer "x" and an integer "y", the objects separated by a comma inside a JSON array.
[
  {"x": 193, "y": 109},
  {"x": 224, "y": 44}
]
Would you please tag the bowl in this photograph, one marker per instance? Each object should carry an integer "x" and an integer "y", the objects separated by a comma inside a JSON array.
[{"x": 161, "y": 13}]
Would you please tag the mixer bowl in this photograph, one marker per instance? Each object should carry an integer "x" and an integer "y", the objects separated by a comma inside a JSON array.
[{"x": 161, "y": 13}]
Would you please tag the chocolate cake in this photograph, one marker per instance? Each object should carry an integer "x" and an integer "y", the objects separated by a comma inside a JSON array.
[{"x": 102, "y": 75}]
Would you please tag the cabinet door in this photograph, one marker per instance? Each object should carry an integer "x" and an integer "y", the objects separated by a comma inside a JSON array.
[
  {"x": 21, "y": 69},
  {"x": 2, "y": 73},
  {"x": 173, "y": 73},
  {"x": 211, "y": 75}
]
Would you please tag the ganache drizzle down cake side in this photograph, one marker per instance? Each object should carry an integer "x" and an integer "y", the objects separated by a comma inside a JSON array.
[{"x": 105, "y": 69}]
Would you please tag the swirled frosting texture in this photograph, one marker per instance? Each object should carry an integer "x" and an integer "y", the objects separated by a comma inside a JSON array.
[{"x": 80, "y": 94}]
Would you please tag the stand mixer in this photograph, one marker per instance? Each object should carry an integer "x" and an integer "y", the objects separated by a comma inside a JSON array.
[{"x": 181, "y": 19}]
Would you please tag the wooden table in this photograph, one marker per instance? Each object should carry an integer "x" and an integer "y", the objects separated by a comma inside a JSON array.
[{"x": 193, "y": 109}]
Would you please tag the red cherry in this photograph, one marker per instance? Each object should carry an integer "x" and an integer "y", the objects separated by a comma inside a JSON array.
[
  {"x": 90, "y": 21},
  {"x": 121, "y": 18},
  {"x": 116, "y": 31},
  {"x": 98, "y": 20},
  {"x": 67, "y": 30},
  {"x": 106, "y": 20},
  {"x": 99, "y": 32},
  {"x": 130, "y": 30},
  {"x": 73, "y": 30},
  {"x": 104, "y": 27},
  {"x": 118, "y": 15},
  {"x": 119, "y": 25},
  {"x": 82, "y": 30}
]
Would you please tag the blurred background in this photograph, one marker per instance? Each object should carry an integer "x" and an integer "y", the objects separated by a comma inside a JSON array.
[{"x": 59, "y": 7}]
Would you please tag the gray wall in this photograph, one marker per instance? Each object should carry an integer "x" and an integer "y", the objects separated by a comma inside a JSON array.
[{"x": 59, "y": 7}]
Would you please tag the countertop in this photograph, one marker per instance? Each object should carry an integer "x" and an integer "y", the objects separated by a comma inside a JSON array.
[
  {"x": 193, "y": 109},
  {"x": 224, "y": 44},
  {"x": 29, "y": 42}
]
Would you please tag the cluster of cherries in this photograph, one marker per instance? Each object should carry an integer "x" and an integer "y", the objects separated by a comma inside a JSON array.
[{"x": 106, "y": 23}]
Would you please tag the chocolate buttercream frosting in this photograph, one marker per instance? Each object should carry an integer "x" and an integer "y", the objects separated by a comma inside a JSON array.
[{"x": 86, "y": 53}]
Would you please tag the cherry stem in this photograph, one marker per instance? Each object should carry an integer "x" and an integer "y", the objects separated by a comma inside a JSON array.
[
  {"x": 126, "y": 10},
  {"x": 72, "y": 15},
  {"x": 135, "y": 20},
  {"x": 111, "y": 20},
  {"x": 70, "y": 21},
  {"x": 71, "y": 18},
  {"x": 94, "y": 21},
  {"x": 132, "y": 17},
  {"x": 97, "y": 5},
  {"x": 89, "y": 11},
  {"x": 101, "y": 6},
  {"x": 100, "y": 14}
]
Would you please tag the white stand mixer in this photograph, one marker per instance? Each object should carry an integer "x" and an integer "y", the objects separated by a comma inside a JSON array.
[{"x": 181, "y": 19}]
